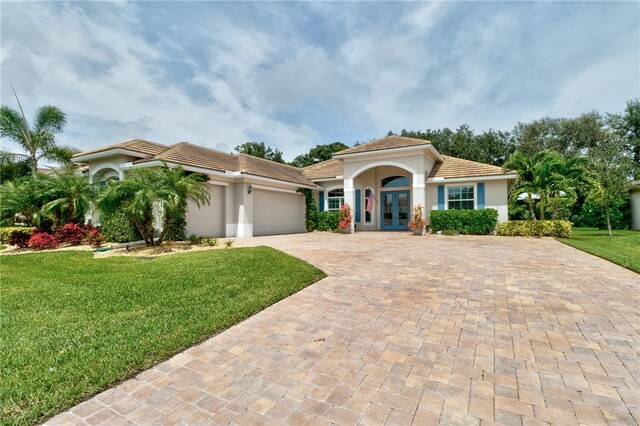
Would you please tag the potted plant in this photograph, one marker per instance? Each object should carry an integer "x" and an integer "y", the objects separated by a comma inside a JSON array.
[
  {"x": 417, "y": 223},
  {"x": 345, "y": 219}
]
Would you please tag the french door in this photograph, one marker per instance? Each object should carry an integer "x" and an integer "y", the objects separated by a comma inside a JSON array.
[{"x": 395, "y": 210}]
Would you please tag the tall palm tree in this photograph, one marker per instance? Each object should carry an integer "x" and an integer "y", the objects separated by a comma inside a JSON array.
[
  {"x": 527, "y": 181},
  {"x": 146, "y": 191},
  {"x": 569, "y": 176},
  {"x": 38, "y": 140},
  {"x": 68, "y": 196}
]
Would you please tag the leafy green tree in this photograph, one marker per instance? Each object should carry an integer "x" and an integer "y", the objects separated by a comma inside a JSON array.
[
  {"x": 627, "y": 127},
  {"x": 318, "y": 154},
  {"x": 260, "y": 150},
  {"x": 67, "y": 195},
  {"x": 38, "y": 140},
  {"x": 147, "y": 191},
  {"x": 612, "y": 168}
]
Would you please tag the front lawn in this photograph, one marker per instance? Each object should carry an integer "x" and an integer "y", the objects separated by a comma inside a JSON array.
[
  {"x": 623, "y": 248},
  {"x": 72, "y": 325}
]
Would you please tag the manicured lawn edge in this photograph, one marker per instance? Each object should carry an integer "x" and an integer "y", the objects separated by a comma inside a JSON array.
[
  {"x": 622, "y": 249},
  {"x": 81, "y": 337}
]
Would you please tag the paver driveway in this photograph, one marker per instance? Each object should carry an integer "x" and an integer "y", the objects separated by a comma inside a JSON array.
[{"x": 436, "y": 329}]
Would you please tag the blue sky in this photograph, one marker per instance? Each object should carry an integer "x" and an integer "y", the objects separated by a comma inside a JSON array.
[{"x": 298, "y": 74}]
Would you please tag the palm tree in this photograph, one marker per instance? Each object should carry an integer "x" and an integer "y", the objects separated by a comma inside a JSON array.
[
  {"x": 147, "y": 191},
  {"x": 38, "y": 140},
  {"x": 68, "y": 196},
  {"x": 527, "y": 182},
  {"x": 569, "y": 176},
  {"x": 23, "y": 197}
]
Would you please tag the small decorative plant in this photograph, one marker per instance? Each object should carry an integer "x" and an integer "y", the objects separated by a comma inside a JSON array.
[
  {"x": 94, "y": 238},
  {"x": 417, "y": 222},
  {"x": 43, "y": 241},
  {"x": 344, "y": 224},
  {"x": 195, "y": 239},
  {"x": 212, "y": 242},
  {"x": 228, "y": 243},
  {"x": 20, "y": 237}
]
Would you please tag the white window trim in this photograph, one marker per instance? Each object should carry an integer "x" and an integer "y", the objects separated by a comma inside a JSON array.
[
  {"x": 475, "y": 194},
  {"x": 364, "y": 207},
  {"x": 326, "y": 198}
]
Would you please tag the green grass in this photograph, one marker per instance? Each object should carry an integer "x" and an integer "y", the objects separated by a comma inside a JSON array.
[
  {"x": 72, "y": 325},
  {"x": 623, "y": 248}
]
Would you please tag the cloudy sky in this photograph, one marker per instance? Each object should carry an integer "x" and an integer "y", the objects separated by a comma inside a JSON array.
[{"x": 298, "y": 74}]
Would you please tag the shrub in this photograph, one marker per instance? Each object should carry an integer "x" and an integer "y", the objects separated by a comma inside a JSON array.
[
  {"x": 450, "y": 232},
  {"x": 417, "y": 219},
  {"x": 178, "y": 225},
  {"x": 20, "y": 237},
  {"x": 71, "y": 233},
  {"x": 328, "y": 221},
  {"x": 593, "y": 215},
  {"x": 94, "y": 238},
  {"x": 476, "y": 222},
  {"x": 6, "y": 230},
  {"x": 212, "y": 242},
  {"x": 43, "y": 241},
  {"x": 228, "y": 243},
  {"x": 311, "y": 210},
  {"x": 535, "y": 228},
  {"x": 195, "y": 239},
  {"x": 345, "y": 218},
  {"x": 116, "y": 227}
]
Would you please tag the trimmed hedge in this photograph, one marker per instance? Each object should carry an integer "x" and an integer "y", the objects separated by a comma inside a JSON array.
[
  {"x": 328, "y": 220},
  {"x": 535, "y": 228},
  {"x": 5, "y": 231},
  {"x": 475, "y": 222},
  {"x": 117, "y": 228}
]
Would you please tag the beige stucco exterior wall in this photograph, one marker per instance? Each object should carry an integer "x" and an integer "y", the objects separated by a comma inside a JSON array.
[
  {"x": 635, "y": 209},
  {"x": 207, "y": 220},
  {"x": 495, "y": 196}
]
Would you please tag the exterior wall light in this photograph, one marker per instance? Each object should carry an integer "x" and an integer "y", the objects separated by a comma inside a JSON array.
[{"x": 250, "y": 190}]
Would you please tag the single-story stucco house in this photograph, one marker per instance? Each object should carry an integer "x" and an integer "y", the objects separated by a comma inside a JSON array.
[{"x": 381, "y": 180}]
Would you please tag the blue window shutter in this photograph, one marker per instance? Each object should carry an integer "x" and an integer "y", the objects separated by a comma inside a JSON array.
[
  {"x": 440, "y": 197},
  {"x": 321, "y": 201},
  {"x": 358, "y": 192},
  {"x": 480, "y": 195}
]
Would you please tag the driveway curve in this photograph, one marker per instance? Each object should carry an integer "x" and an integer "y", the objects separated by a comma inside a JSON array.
[{"x": 422, "y": 330}]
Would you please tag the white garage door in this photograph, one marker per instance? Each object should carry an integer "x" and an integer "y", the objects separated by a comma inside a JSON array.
[
  {"x": 206, "y": 221},
  {"x": 277, "y": 213}
]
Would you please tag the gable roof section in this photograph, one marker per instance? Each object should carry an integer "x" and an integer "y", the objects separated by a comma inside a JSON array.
[
  {"x": 325, "y": 169},
  {"x": 453, "y": 167},
  {"x": 388, "y": 142},
  {"x": 199, "y": 156},
  {"x": 139, "y": 145}
]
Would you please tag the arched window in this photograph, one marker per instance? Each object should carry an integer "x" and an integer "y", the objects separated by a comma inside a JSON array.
[
  {"x": 335, "y": 199},
  {"x": 395, "y": 181}
]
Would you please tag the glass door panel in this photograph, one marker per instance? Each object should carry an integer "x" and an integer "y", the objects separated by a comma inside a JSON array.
[
  {"x": 387, "y": 210},
  {"x": 403, "y": 210}
]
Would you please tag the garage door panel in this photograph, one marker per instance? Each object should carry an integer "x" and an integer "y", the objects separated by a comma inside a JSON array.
[
  {"x": 206, "y": 221},
  {"x": 277, "y": 213}
]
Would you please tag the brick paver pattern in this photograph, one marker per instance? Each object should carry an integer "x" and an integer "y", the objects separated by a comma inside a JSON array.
[{"x": 422, "y": 330}]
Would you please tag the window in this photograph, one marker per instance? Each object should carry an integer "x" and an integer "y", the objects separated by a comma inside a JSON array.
[
  {"x": 368, "y": 205},
  {"x": 461, "y": 197},
  {"x": 395, "y": 181},
  {"x": 335, "y": 199}
]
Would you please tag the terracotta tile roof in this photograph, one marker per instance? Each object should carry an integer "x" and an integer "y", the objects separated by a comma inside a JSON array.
[
  {"x": 271, "y": 169},
  {"x": 388, "y": 142},
  {"x": 453, "y": 167},
  {"x": 199, "y": 156},
  {"x": 138, "y": 145},
  {"x": 325, "y": 169}
]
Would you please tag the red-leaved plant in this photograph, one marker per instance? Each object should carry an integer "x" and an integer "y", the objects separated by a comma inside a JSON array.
[
  {"x": 71, "y": 233},
  {"x": 345, "y": 218},
  {"x": 42, "y": 241},
  {"x": 94, "y": 238},
  {"x": 19, "y": 237}
]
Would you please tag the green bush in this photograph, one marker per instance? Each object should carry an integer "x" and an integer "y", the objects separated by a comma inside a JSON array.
[
  {"x": 535, "y": 228},
  {"x": 178, "y": 226},
  {"x": 5, "y": 231},
  {"x": 476, "y": 222},
  {"x": 593, "y": 216},
  {"x": 450, "y": 232},
  {"x": 118, "y": 229},
  {"x": 328, "y": 221}
]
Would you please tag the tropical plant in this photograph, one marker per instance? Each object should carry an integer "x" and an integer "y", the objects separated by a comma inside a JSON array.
[
  {"x": 68, "y": 196},
  {"x": 71, "y": 233},
  {"x": 345, "y": 218},
  {"x": 417, "y": 219},
  {"x": 146, "y": 192},
  {"x": 42, "y": 241},
  {"x": 22, "y": 199},
  {"x": 94, "y": 238},
  {"x": 37, "y": 140},
  {"x": 20, "y": 237},
  {"x": 568, "y": 177}
]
